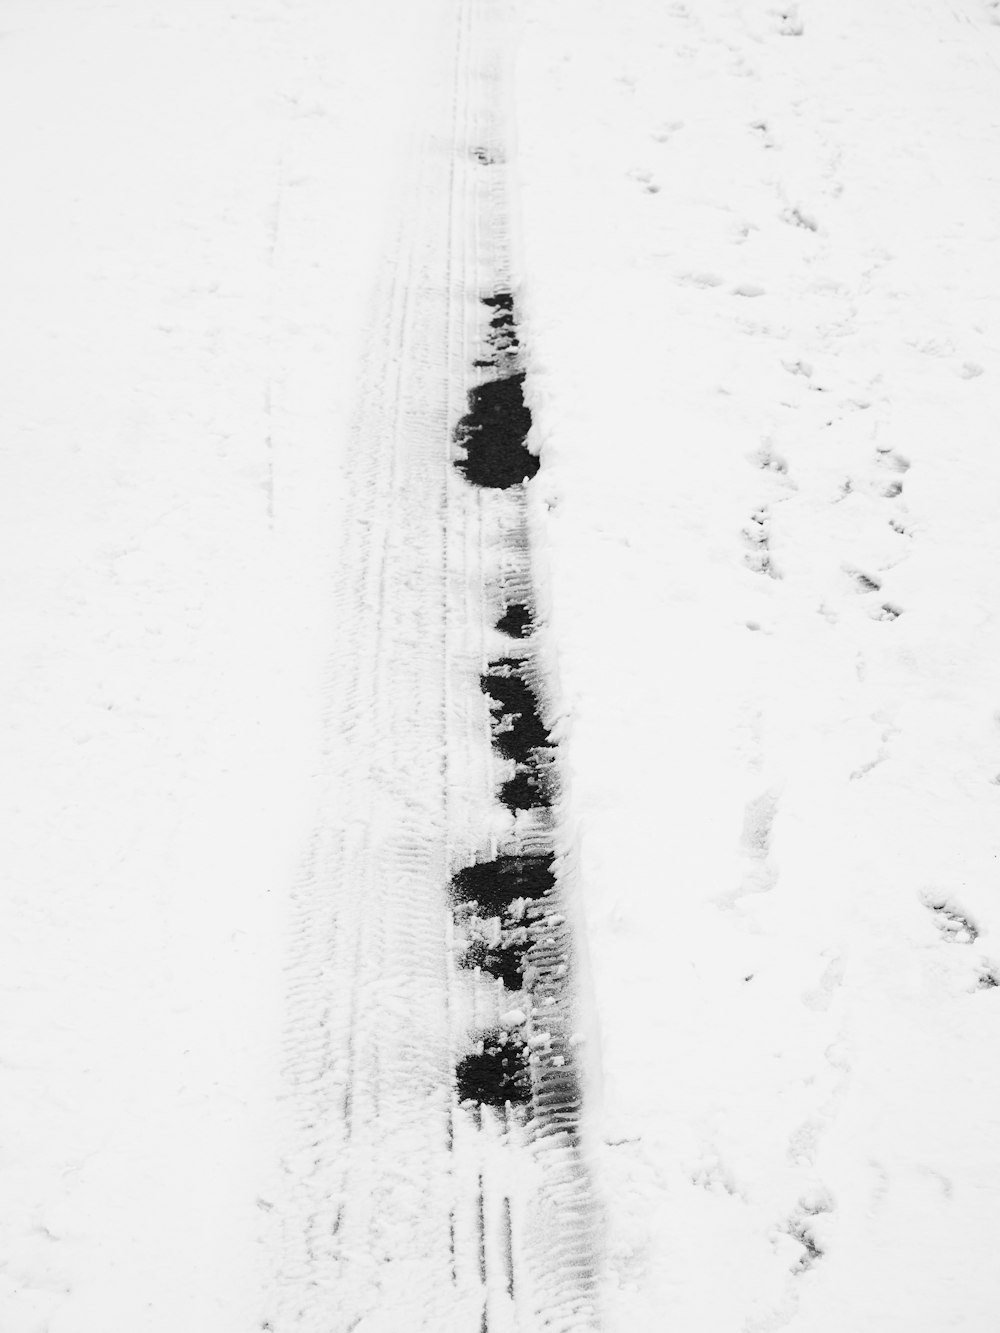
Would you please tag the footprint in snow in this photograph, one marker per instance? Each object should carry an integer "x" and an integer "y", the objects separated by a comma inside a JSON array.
[
  {"x": 821, "y": 996},
  {"x": 864, "y": 583},
  {"x": 800, "y": 367},
  {"x": 645, "y": 179},
  {"x": 760, "y": 128},
  {"x": 889, "y": 460},
  {"x": 955, "y": 925},
  {"x": 757, "y": 536},
  {"x": 700, "y": 279},
  {"x": 798, "y": 217},
  {"x": 789, "y": 21},
  {"x": 715, "y": 1176},
  {"x": 666, "y": 132},
  {"x": 801, "y": 1226},
  {"x": 758, "y": 821},
  {"x": 769, "y": 460}
]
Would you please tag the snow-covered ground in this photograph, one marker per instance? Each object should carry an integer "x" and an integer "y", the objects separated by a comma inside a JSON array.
[
  {"x": 196, "y": 200},
  {"x": 761, "y": 312},
  {"x": 761, "y": 298}
]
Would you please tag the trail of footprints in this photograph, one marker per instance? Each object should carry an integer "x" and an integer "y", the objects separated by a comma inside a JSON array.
[{"x": 758, "y": 532}]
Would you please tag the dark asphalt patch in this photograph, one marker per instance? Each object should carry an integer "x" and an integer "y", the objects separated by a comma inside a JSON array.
[
  {"x": 516, "y": 621},
  {"x": 493, "y": 886},
  {"x": 494, "y": 431},
  {"x": 493, "y": 434},
  {"x": 497, "y": 1073},
  {"x": 518, "y": 730},
  {"x": 500, "y": 301},
  {"x": 526, "y": 790}
]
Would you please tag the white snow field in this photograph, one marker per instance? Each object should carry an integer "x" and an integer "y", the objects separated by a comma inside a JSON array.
[
  {"x": 761, "y": 301},
  {"x": 247, "y": 599}
]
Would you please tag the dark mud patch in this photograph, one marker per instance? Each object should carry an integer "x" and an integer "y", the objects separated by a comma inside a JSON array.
[
  {"x": 516, "y": 621},
  {"x": 497, "y": 1073},
  {"x": 528, "y": 789},
  {"x": 493, "y": 886},
  {"x": 518, "y": 730}
]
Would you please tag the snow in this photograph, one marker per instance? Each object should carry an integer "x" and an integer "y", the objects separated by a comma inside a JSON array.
[
  {"x": 183, "y": 292},
  {"x": 758, "y": 269},
  {"x": 758, "y": 282}
]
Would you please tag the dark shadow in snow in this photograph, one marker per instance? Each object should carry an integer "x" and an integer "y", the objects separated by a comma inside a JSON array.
[
  {"x": 494, "y": 885},
  {"x": 515, "y": 621},
  {"x": 518, "y": 730},
  {"x": 497, "y": 1073}
]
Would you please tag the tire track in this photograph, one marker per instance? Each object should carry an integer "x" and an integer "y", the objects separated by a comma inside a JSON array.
[
  {"x": 407, "y": 1205},
  {"x": 550, "y": 1224}
]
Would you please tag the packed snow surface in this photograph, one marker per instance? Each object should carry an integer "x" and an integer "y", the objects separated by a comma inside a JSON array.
[{"x": 759, "y": 308}]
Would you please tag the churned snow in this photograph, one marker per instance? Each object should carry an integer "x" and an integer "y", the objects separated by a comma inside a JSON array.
[{"x": 761, "y": 315}]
